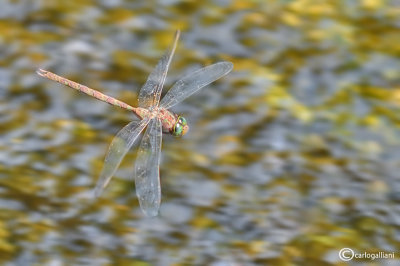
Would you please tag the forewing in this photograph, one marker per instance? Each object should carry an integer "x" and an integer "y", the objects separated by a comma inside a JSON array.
[
  {"x": 150, "y": 93},
  {"x": 194, "y": 82},
  {"x": 147, "y": 174},
  {"x": 119, "y": 146}
]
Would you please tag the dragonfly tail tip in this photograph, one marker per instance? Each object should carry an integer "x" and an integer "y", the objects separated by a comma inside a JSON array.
[{"x": 41, "y": 72}]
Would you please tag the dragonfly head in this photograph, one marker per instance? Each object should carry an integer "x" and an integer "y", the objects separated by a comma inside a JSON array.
[{"x": 180, "y": 128}]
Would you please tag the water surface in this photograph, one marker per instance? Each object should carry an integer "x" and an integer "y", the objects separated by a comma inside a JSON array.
[{"x": 291, "y": 157}]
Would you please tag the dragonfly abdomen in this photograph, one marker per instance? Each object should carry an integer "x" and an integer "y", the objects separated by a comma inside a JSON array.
[{"x": 91, "y": 92}]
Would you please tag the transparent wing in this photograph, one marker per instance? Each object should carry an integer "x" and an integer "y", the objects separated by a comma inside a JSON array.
[
  {"x": 147, "y": 176},
  {"x": 194, "y": 82},
  {"x": 150, "y": 93},
  {"x": 119, "y": 146}
]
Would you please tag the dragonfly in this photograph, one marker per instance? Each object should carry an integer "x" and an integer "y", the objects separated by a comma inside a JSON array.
[{"x": 154, "y": 119}]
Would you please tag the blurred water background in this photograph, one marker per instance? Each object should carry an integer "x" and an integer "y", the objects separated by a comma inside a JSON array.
[{"x": 291, "y": 157}]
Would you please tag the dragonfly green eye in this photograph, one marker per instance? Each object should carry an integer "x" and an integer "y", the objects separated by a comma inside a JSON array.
[{"x": 180, "y": 127}]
